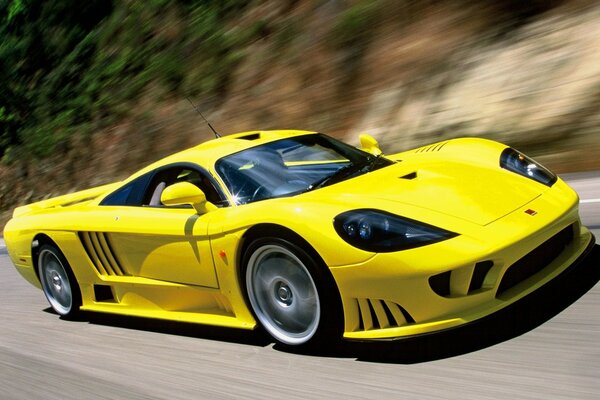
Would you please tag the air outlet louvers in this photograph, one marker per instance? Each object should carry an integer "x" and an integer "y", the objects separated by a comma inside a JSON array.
[
  {"x": 431, "y": 148},
  {"x": 381, "y": 314}
]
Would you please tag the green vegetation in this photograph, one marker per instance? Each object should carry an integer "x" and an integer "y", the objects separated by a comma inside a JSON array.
[
  {"x": 354, "y": 26},
  {"x": 69, "y": 67},
  {"x": 72, "y": 67}
]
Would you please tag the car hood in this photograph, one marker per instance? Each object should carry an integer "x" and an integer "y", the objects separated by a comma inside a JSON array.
[{"x": 476, "y": 194}]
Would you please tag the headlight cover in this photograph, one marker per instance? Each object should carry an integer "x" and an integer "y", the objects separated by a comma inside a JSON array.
[
  {"x": 519, "y": 163},
  {"x": 382, "y": 232}
]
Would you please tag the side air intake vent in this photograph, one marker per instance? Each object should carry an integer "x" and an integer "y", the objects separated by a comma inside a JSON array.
[
  {"x": 103, "y": 293},
  {"x": 381, "y": 314},
  {"x": 98, "y": 248}
]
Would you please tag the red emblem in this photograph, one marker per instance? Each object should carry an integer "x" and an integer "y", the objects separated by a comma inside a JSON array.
[{"x": 530, "y": 212}]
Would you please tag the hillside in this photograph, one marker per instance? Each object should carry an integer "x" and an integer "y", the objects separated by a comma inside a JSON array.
[{"x": 91, "y": 93}]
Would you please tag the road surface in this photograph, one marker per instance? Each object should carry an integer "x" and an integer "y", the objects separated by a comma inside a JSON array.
[{"x": 549, "y": 348}]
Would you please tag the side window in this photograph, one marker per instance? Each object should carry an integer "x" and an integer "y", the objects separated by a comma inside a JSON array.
[
  {"x": 176, "y": 174},
  {"x": 146, "y": 190},
  {"x": 130, "y": 194}
]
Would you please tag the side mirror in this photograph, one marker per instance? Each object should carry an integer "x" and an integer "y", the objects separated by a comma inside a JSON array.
[
  {"x": 186, "y": 193},
  {"x": 369, "y": 144}
]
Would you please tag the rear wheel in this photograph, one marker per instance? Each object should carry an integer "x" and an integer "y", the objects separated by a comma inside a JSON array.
[
  {"x": 289, "y": 293},
  {"x": 58, "y": 282}
]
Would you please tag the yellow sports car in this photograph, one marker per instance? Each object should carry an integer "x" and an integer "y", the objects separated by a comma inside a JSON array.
[{"x": 308, "y": 237}]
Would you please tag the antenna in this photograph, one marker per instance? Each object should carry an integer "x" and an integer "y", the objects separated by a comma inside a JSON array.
[{"x": 217, "y": 135}]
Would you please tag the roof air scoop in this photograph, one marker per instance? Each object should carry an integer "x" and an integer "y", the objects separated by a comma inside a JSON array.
[
  {"x": 410, "y": 176},
  {"x": 252, "y": 136}
]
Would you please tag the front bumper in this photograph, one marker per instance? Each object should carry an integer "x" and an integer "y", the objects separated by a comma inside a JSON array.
[{"x": 464, "y": 279}]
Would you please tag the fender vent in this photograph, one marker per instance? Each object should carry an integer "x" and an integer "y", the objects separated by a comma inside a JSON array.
[
  {"x": 98, "y": 248},
  {"x": 381, "y": 314},
  {"x": 431, "y": 148}
]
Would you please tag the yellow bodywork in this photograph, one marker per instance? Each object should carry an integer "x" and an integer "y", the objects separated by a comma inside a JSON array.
[{"x": 179, "y": 264}]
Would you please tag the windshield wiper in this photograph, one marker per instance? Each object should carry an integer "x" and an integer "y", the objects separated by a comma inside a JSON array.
[
  {"x": 369, "y": 164},
  {"x": 338, "y": 175}
]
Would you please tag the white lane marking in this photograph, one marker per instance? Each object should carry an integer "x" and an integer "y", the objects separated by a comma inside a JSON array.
[{"x": 589, "y": 201}]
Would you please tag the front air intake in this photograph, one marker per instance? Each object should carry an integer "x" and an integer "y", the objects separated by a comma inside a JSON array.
[
  {"x": 440, "y": 283},
  {"x": 461, "y": 281},
  {"x": 479, "y": 273},
  {"x": 536, "y": 260}
]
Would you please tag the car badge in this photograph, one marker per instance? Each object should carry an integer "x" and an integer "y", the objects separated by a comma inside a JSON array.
[{"x": 530, "y": 212}]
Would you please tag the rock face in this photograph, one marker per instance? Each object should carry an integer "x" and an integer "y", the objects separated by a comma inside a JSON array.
[
  {"x": 538, "y": 89},
  {"x": 456, "y": 70},
  {"x": 409, "y": 77}
]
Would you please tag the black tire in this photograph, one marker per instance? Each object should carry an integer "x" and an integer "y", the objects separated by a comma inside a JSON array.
[
  {"x": 58, "y": 282},
  {"x": 291, "y": 294}
]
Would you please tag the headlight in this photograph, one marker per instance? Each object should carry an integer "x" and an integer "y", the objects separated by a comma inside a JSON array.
[
  {"x": 380, "y": 232},
  {"x": 514, "y": 161}
]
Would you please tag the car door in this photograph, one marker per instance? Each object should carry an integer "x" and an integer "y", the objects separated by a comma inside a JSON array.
[{"x": 144, "y": 238}]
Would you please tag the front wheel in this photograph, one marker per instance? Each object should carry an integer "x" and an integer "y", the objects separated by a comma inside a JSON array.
[
  {"x": 289, "y": 293},
  {"x": 58, "y": 283}
]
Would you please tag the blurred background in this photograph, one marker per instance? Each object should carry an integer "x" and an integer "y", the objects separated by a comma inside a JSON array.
[{"x": 92, "y": 90}]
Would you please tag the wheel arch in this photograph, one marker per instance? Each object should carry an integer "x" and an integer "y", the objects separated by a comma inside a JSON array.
[
  {"x": 38, "y": 241},
  {"x": 277, "y": 231}
]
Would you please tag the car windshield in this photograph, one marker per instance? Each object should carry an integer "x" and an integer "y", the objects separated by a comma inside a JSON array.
[{"x": 291, "y": 166}]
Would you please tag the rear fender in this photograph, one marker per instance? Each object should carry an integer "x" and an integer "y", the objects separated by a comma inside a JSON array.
[{"x": 64, "y": 200}]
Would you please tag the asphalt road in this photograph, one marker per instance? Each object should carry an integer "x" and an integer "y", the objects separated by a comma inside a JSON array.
[{"x": 548, "y": 347}]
